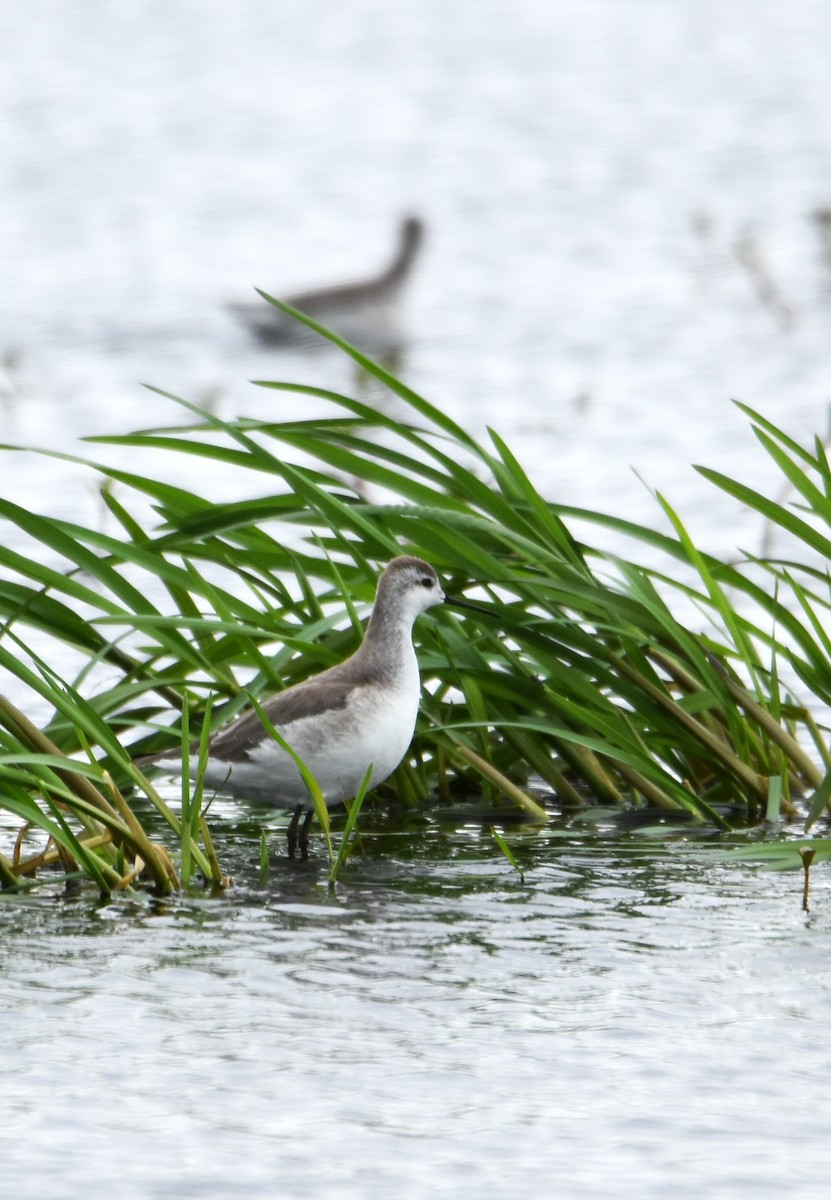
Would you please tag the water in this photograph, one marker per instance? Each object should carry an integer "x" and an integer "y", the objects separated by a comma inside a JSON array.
[
  {"x": 633, "y": 1016},
  {"x": 639, "y": 1017},
  {"x": 585, "y": 170}
]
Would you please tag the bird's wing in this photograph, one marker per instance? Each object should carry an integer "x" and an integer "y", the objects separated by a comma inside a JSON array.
[{"x": 241, "y": 736}]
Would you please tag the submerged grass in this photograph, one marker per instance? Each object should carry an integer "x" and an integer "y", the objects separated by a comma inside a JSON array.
[{"x": 575, "y": 677}]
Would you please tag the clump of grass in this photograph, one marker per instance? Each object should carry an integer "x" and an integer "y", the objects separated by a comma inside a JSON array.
[{"x": 575, "y": 677}]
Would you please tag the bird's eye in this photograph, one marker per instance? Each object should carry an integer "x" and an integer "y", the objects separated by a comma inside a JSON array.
[{"x": 426, "y": 581}]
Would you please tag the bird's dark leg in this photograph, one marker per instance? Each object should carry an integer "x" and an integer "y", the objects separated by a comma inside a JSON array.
[
  {"x": 304, "y": 835},
  {"x": 291, "y": 832}
]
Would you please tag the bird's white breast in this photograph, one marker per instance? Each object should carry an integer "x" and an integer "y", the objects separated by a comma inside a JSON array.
[{"x": 374, "y": 727}]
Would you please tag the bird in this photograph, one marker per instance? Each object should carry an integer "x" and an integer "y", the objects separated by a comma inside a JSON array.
[
  {"x": 366, "y": 313},
  {"x": 357, "y": 714}
]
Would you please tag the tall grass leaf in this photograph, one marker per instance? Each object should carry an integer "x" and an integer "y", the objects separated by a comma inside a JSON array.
[
  {"x": 820, "y": 800},
  {"x": 774, "y": 799},
  {"x": 772, "y": 511},
  {"x": 312, "y": 786},
  {"x": 801, "y": 482},
  {"x": 762, "y": 423},
  {"x": 376, "y": 371},
  {"x": 88, "y": 859},
  {"x": 506, "y": 851},
  {"x": 353, "y": 809},
  {"x": 264, "y": 857}
]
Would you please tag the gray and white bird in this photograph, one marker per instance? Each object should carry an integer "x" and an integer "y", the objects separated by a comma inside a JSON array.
[
  {"x": 359, "y": 713},
  {"x": 367, "y": 313}
]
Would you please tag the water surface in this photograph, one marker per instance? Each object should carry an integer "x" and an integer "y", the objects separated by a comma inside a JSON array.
[
  {"x": 636, "y": 1016},
  {"x": 586, "y": 170}
]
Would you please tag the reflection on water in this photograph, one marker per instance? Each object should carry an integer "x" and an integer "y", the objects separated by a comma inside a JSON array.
[{"x": 634, "y": 1012}]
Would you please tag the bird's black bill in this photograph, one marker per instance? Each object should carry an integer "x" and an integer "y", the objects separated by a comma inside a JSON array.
[{"x": 457, "y": 602}]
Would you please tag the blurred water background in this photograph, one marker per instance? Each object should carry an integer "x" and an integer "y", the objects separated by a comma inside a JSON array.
[{"x": 619, "y": 200}]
